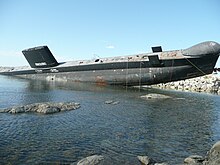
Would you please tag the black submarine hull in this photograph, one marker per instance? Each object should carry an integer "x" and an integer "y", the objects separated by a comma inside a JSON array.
[
  {"x": 149, "y": 69},
  {"x": 131, "y": 73}
]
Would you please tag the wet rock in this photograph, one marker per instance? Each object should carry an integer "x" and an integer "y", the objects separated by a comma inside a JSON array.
[
  {"x": 208, "y": 83},
  {"x": 213, "y": 157},
  {"x": 48, "y": 110},
  {"x": 155, "y": 96},
  {"x": 45, "y": 108},
  {"x": 111, "y": 102},
  {"x": 91, "y": 160},
  {"x": 3, "y": 110},
  {"x": 17, "y": 109},
  {"x": 194, "y": 160},
  {"x": 145, "y": 160}
]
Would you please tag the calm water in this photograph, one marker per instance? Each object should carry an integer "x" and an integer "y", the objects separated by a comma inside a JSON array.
[{"x": 167, "y": 130}]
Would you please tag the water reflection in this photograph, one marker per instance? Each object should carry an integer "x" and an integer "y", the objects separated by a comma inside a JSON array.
[
  {"x": 38, "y": 86},
  {"x": 167, "y": 130}
]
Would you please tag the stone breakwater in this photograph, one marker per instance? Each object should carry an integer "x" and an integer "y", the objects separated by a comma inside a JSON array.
[
  {"x": 44, "y": 108},
  {"x": 212, "y": 158},
  {"x": 209, "y": 84}
]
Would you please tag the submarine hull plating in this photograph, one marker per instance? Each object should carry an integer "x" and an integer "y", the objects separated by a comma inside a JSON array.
[
  {"x": 141, "y": 69},
  {"x": 131, "y": 75}
]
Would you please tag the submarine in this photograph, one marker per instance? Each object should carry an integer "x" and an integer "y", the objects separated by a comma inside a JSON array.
[{"x": 151, "y": 68}]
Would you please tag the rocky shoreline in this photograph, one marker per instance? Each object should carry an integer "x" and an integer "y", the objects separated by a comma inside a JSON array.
[
  {"x": 208, "y": 84},
  {"x": 212, "y": 158},
  {"x": 44, "y": 108}
]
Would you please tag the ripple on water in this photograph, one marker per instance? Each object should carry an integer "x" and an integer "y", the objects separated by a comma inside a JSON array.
[{"x": 167, "y": 130}]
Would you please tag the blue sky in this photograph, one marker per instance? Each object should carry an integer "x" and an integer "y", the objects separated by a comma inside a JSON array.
[{"x": 84, "y": 29}]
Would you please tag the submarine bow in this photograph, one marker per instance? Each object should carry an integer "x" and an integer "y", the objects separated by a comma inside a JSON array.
[{"x": 204, "y": 48}]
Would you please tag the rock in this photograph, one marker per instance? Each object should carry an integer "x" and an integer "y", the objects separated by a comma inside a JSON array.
[
  {"x": 17, "y": 109},
  {"x": 2, "y": 110},
  {"x": 209, "y": 84},
  {"x": 111, "y": 102},
  {"x": 48, "y": 110},
  {"x": 108, "y": 101},
  {"x": 155, "y": 96},
  {"x": 6, "y": 110},
  {"x": 194, "y": 160},
  {"x": 145, "y": 160},
  {"x": 213, "y": 157},
  {"x": 45, "y": 108},
  {"x": 91, "y": 160}
]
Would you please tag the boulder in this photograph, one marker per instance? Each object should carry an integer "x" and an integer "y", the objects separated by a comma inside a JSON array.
[
  {"x": 111, "y": 102},
  {"x": 145, "y": 160},
  {"x": 213, "y": 157},
  {"x": 209, "y": 83},
  {"x": 155, "y": 96},
  {"x": 48, "y": 110},
  {"x": 17, "y": 110},
  {"x": 91, "y": 160},
  {"x": 45, "y": 108},
  {"x": 194, "y": 160}
]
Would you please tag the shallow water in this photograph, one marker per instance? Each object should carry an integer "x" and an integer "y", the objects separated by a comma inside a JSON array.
[{"x": 167, "y": 130}]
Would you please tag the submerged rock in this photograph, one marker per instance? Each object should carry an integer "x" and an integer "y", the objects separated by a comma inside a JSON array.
[
  {"x": 155, "y": 96},
  {"x": 111, "y": 102},
  {"x": 45, "y": 108},
  {"x": 194, "y": 159},
  {"x": 145, "y": 160},
  {"x": 91, "y": 160},
  {"x": 212, "y": 158}
]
